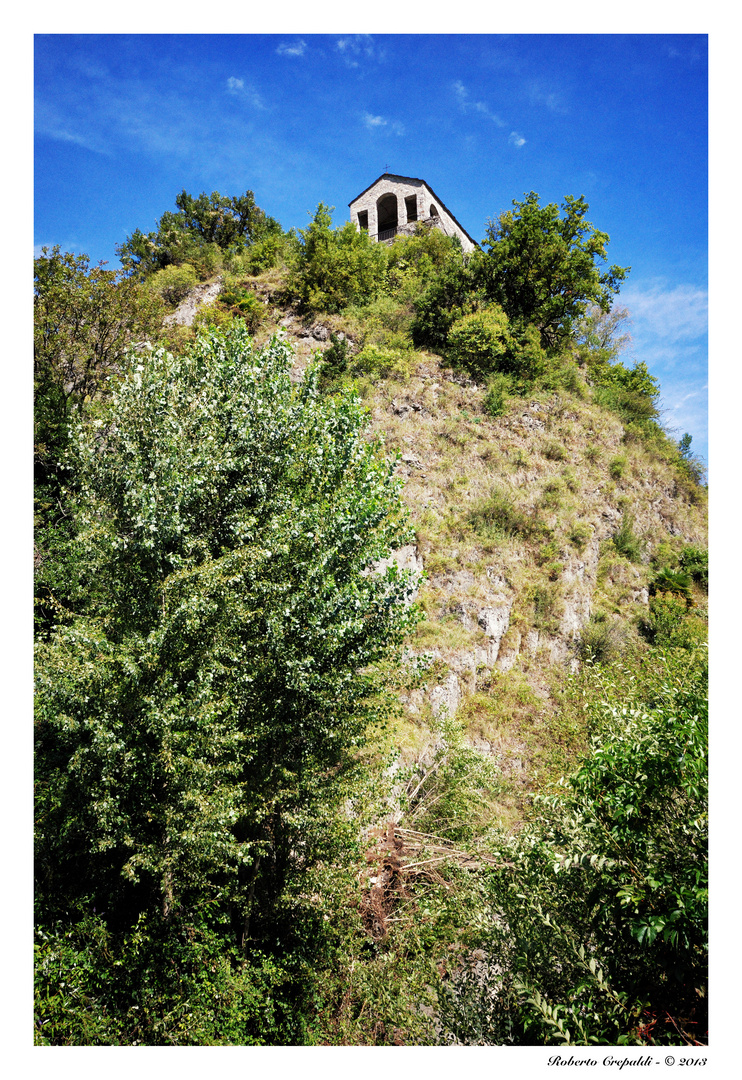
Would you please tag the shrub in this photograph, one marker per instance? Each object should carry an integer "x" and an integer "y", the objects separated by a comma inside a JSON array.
[
  {"x": 570, "y": 480},
  {"x": 496, "y": 395},
  {"x": 497, "y": 514},
  {"x": 554, "y": 450},
  {"x": 672, "y": 581},
  {"x": 601, "y": 640},
  {"x": 480, "y": 341},
  {"x": 596, "y": 927},
  {"x": 334, "y": 267},
  {"x": 381, "y": 362},
  {"x": 451, "y": 294},
  {"x": 695, "y": 561},
  {"x": 617, "y": 467},
  {"x": 625, "y": 540},
  {"x": 245, "y": 304},
  {"x": 579, "y": 534},
  {"x": 199, "y": 714},
  {"x": 335, "y": 360},
  {"x": 174, "y": 283},
  {"x": 547, "y": 606}
]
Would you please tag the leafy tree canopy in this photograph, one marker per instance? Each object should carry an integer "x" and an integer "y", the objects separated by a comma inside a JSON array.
[
  {"x": 541, "y": 267},
  {"x": 205, "y": 692},
  {"x": 336, "y": 266},
  {"x": 85, "y": 318},
  {"x": 191, "y": 234}
]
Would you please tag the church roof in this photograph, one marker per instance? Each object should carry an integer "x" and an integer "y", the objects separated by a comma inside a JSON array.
[{"x": 415, "y": 180}]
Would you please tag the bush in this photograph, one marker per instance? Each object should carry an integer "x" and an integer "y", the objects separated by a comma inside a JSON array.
[
  {"x": 625, "y": 540},
  {"x": 617, "y": 467},
  {"x": 601, "y": 640},
  {"x": 480, "y": 341},
  {"x": 595, "y": 927},
  {"x": 497, "y": 515},
  {"x": 336, "y": 267},
  {"x": 174, "y": 283},
  {"x": 554, "y": 450},
  {"x": 243, "y": 303},
  {"x": 451, "y": 294},
  {"x": 199, "y": 713},
  {"x": 672, "y": 581},
  {"x": 381, "y": 362},
  {"x": 496, "y": 395},
  {"x": 579, "y": 534},
  {"x": 695, "y": 561}
]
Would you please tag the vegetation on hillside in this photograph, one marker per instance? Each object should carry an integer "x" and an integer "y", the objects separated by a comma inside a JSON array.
[{"x": 255, "y": 825}]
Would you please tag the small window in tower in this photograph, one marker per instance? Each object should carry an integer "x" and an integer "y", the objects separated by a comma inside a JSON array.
[
  {"x": 433, "y": 210},
  {"x": 363, "y": 219},
  {"x": 411, "y": 207}
]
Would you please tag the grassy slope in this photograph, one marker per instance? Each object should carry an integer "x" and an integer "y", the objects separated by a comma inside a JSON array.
[{"x": 512, "y": 513}]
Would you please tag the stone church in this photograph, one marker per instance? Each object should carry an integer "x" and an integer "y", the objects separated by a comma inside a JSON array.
[{"x": 393, "y": 205}]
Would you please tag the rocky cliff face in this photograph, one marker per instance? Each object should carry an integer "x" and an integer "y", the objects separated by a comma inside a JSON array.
[{"x": 528, "y": 526}]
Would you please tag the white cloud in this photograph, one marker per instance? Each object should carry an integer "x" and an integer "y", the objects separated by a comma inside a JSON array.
[
  {"x": 295, "y": 48},
  {"x": 467, "y": 105},
  {"x": 678, "y": 313},
  {"x": 540, "y": 95},
  {"x": 515, "y": 139},
  {"x": 238, "y": 88},
  {"x": 357, "y": 47},
  {"x": 373, "y": 123}
]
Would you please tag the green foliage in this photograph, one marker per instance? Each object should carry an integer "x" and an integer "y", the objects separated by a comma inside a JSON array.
[
  {"x": 243, "y": 303},
  {"x": 546, "y": 599},
  {"x": 601, "y": 336},
  {"x": 453, "y": 792},
  {"x": 617, "y": 467},
  {"x": 415, "y": 262},
  {"x": 597, "y": 926},
  {"x": 626, "y": 542},
  {"x": 85, "y": 319},
  {"x": 198, "y": 712},
  {"x": 541, "y": 268},
  {"x": 692, "y": 466},
  {"x": 480, "y": 341},
  {"x": 579, "y": 534},
  {"x": 632, "y": 393},
  {"x": 173, "y": 283},
  {"x": 695, "y": 561},
  {"x": 335, "y": 267},
  {"x": 601, "y": 640},
  {"x": 335, "y": 361},
  {"x": 496, "y": 396},
  {"x": 554, "y": 451},
  {"x": 451, "y": 294},
  {"x": 672, "y": 581},
  {"x": 200, "y": 232},
  {"x": 497, "y": 515}
]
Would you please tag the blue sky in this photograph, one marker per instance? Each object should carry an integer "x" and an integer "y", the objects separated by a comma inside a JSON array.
[{"x": 123, "y": 123}]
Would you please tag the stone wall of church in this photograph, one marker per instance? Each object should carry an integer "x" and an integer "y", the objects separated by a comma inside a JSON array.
[{"x": 428, "y": 208}]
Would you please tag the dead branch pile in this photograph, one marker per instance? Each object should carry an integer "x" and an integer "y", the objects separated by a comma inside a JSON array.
[{"x": 398, "y": 857}]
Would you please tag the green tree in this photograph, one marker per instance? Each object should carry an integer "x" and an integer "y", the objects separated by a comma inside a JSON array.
[
  {"x": 336, "y": 267},
  {"x": 541, "y": 267},
  {"x": 599, "y": 922},
  {"x": 199, "y": 709},
  {"x": 197, "y": 232},
  {"x": 85, "y": 319},
  {"x": 451, "y": 293}
]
